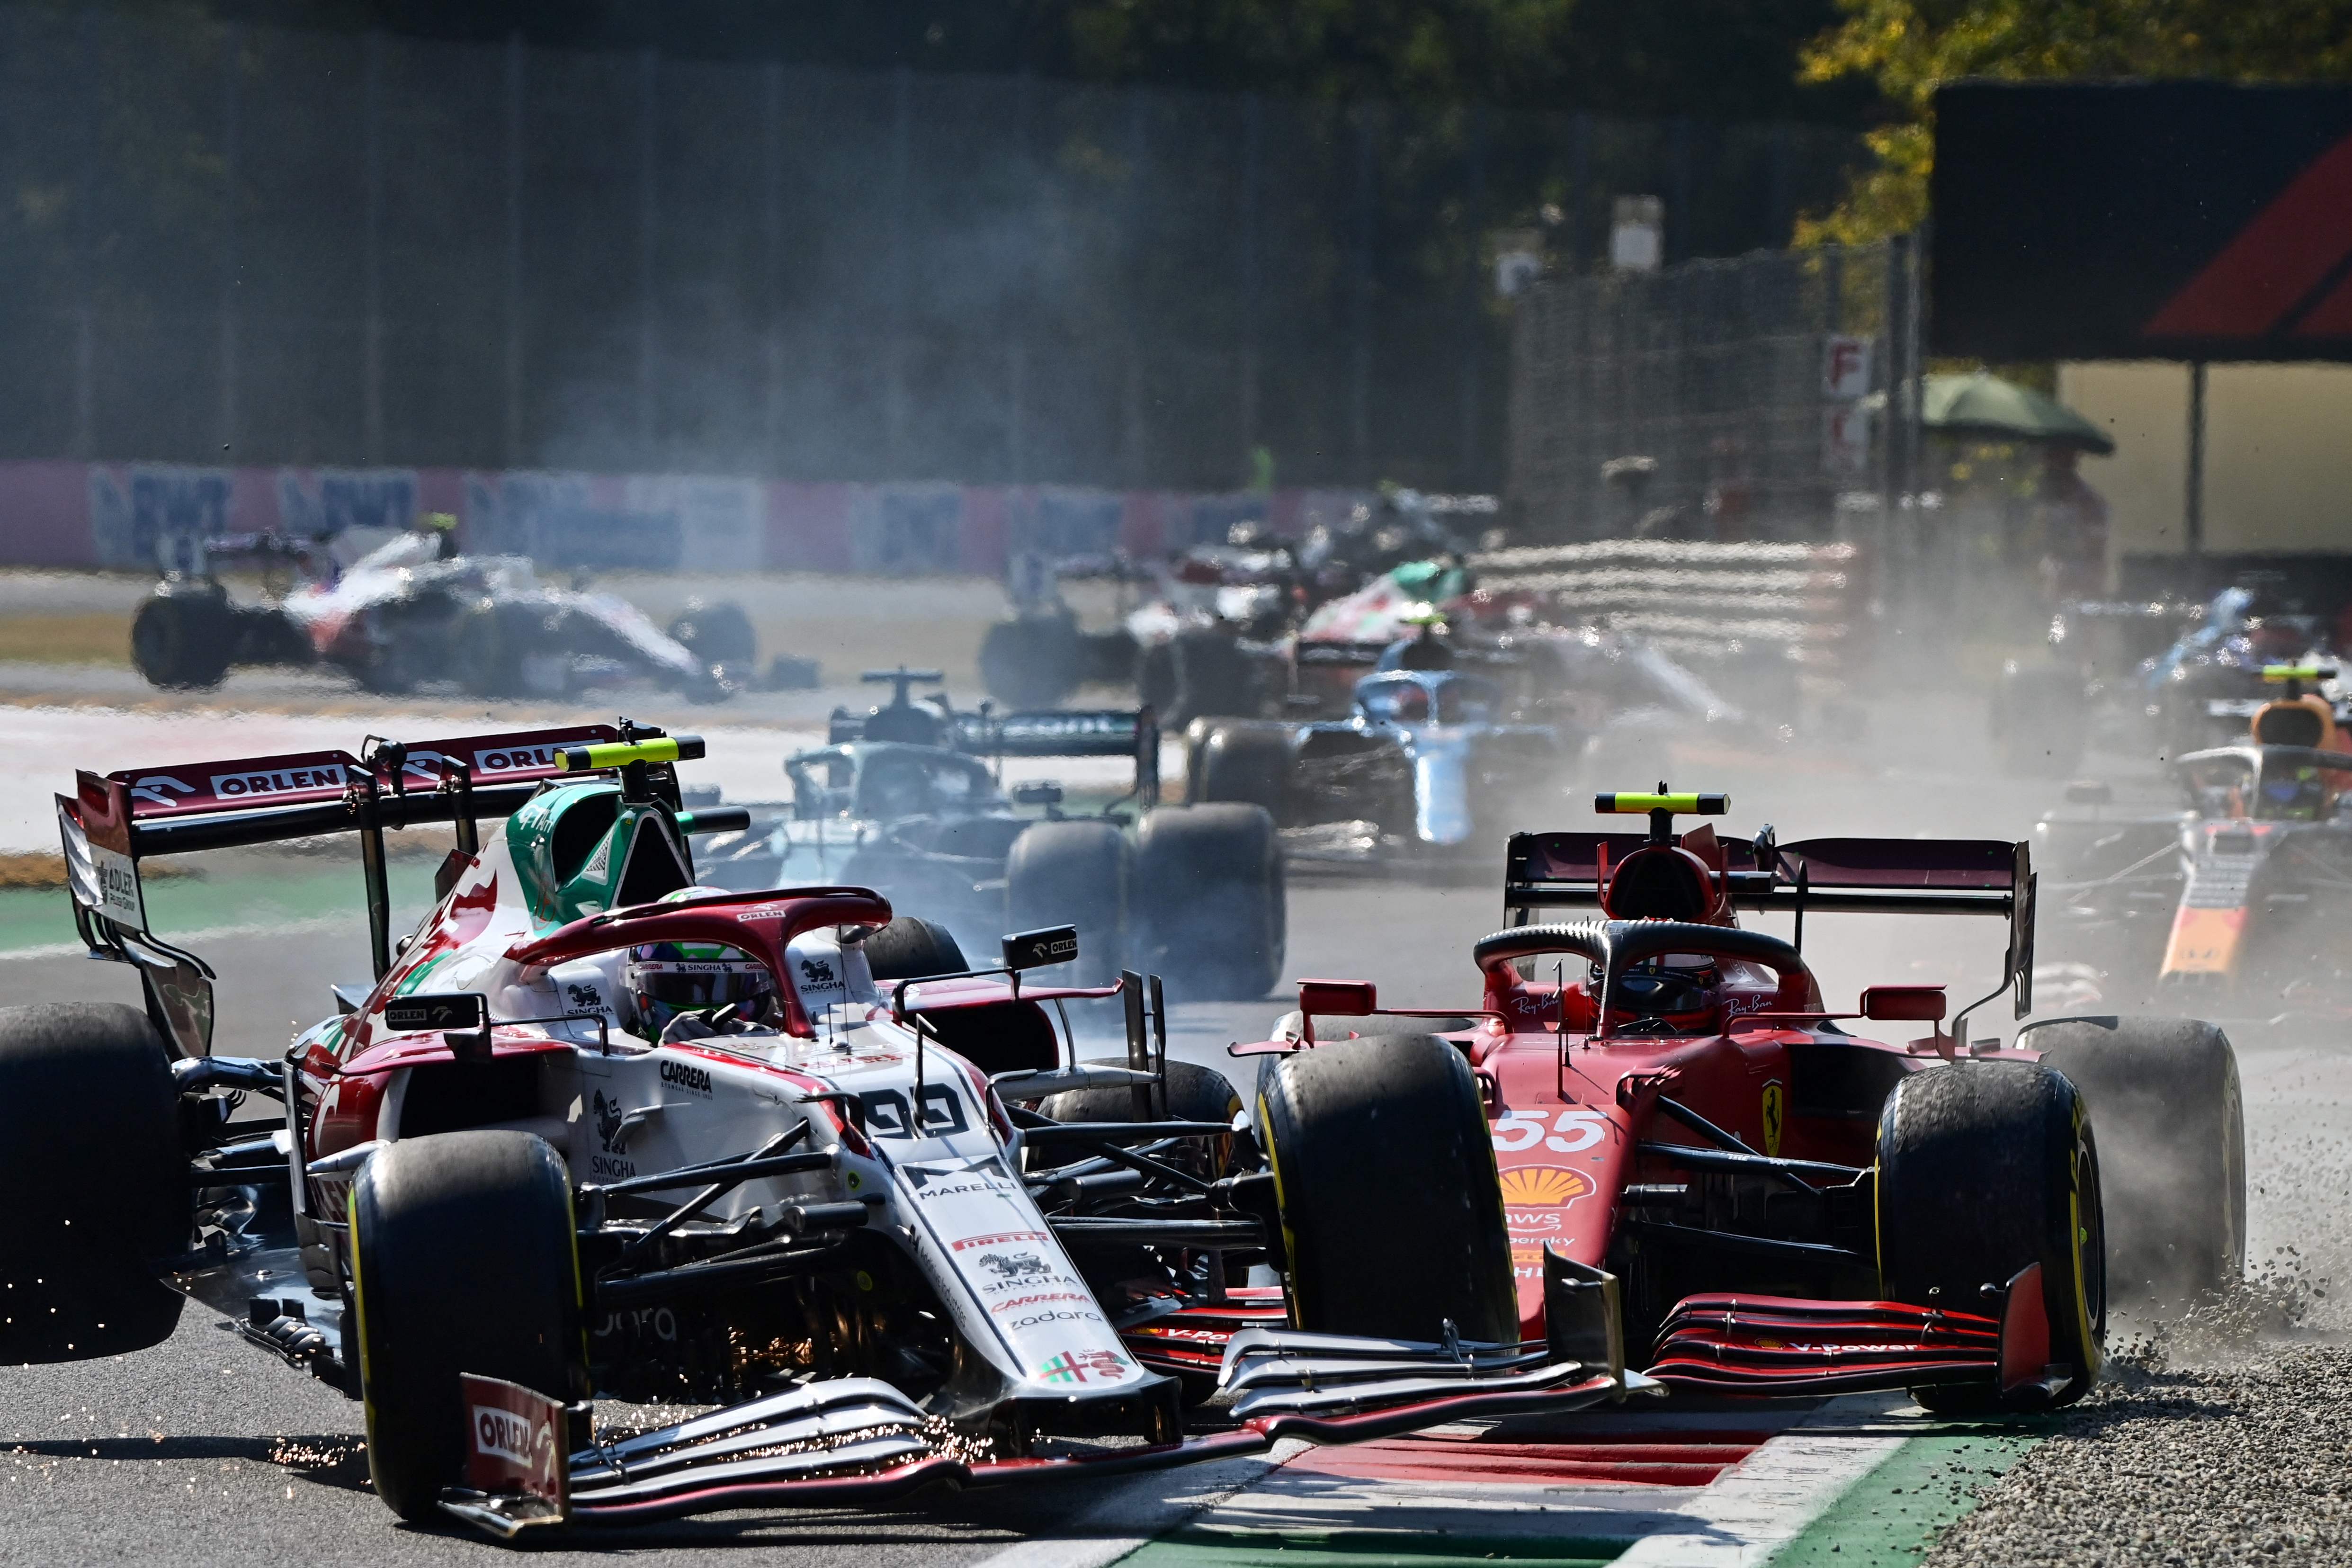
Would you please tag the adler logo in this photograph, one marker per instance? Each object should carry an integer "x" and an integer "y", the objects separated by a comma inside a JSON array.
[{"x": 685, "y": 1076}]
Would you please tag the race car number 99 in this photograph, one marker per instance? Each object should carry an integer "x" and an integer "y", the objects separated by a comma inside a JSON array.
[{"x": 1574, "y": 1129}]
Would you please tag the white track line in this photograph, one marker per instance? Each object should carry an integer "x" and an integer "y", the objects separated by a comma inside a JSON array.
[{"x": 1140, "y": 1510}]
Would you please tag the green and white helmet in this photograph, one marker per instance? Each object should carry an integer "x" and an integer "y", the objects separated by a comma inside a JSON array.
[{"x": 667, "y": 978}]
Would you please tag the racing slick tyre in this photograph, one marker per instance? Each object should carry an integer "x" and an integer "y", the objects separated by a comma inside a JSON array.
[
  {"x": 486, "y": 650},
  {"x": 463, "y": 1261},
  {"x": 719, "y": 635},
  {"x": 2038, "y": 719},
  {"x": 1072, "y": 873},
  {"x": 1106, "y": 658},
  {"x": 1249, "y": 763},
  {"x": 1032, "y": 662},
  {"x": 1208, "y": 883},
  {"x": 95, "y": 1157},
  {"x": 1214, "y": 677},
  {"x": 911, "y": 948},
  {"x": 2163, "y": 1094},
  {"x": 1983, "y": 1169},
  {"x": 1391, "y": 1209},
  {"x": 184, "y": 640}
]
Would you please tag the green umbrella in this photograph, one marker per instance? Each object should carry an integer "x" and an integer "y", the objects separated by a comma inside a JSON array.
[{"x": 1984, "y": 406}]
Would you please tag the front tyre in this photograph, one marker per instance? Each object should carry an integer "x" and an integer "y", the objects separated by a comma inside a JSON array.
[
  {"x": 1392, "y": 1208},
  {"x": 97, "y": 1177},
  {"x": 1985, "y": 1168},
  {"x": 463, "y": 1261}
]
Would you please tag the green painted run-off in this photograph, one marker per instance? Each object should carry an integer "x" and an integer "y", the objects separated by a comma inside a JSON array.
[{"x": 1892, "y": 1516}]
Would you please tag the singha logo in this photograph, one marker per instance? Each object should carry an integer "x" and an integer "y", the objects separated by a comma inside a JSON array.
[
  {"x": 817, "y": 971},
  {"x": 608, "y": 1122},
  {"x": 585, "y": 996},
  {"x": 1016, "y": 1267}
]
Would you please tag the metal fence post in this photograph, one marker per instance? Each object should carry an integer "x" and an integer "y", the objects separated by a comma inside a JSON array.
[
  {"x": 1253, "y": 148},
  {"x": 1474, "y": 281},
  {"x": 85, "y": 377},
  {"x": 372, "y": 267},
  {"x": 648, "y": 250},
  {"x": 894, "y": 412},
  {"x": 513, "y": 300},
  {"x": 770, "y": 294},
  {"x": 231, "y": 38},
  {"x": 1359, "y": 369}
]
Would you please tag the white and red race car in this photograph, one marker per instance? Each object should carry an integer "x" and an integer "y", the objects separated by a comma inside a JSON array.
[{"x": 594, "y": 1133}]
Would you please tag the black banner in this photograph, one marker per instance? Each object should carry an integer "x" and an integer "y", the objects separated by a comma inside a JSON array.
[{"x": 2144, "y": 220}]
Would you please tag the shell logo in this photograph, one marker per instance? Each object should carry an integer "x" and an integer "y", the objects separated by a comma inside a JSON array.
[{"x": 1543, "y": 1187}]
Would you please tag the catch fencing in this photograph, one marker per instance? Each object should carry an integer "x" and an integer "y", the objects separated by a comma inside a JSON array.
[
  {"x": 234, "y": 244},
  {"x": 1717, "y": 399}
]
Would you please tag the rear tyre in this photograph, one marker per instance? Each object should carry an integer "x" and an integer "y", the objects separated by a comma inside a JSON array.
[
  {"x": 463, "y": 1261},
  {"x": 719, "y": 635},
  {"x": 912, "y": 948},
  {"x": 1213, "y": 677},
  {"x": 1072, "y": 873},
  {"x": 96, "y": 1159},
  {"x": 1033, "y": 662},
  {"x": 1245, "y": 762},
  {"x": 1155, "y": 681},
  {"x": 1983, "y": 1169},
  {"x": 487, "y": 651},
  {"x": 183, "y": 639},
  {"x": 2163, "y": 1093},
  {"x": 1209, "y": 884},
  {"x": 1391, "y": 1210}
]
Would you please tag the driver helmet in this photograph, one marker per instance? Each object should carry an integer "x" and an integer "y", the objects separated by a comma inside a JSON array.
[
  {"x": 669, "y": 978},
  {"x": 1677, "y": 984}
]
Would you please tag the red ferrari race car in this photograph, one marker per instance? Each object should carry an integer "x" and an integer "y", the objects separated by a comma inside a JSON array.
[
  {"x": 595, "y": 1133},
  {"x": 1782, "y": 1207}
]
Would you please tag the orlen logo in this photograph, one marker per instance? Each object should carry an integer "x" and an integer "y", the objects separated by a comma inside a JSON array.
[
  {"x": 277, "y": 781},
  {"x": 522, "y": 758},
  {"x": 502, "y": 1435},
  {"x": 685, "y": 1076}
]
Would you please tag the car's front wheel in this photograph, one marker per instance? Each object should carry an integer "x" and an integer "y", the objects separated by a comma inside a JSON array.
[{"x": 463, "y": 1261}]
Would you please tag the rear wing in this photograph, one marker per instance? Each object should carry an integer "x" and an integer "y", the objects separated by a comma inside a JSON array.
[
  {"x": 1132, "y": 732},
  {"x": 113, "y": 821},
  {"x": 1854, "y": 876}
]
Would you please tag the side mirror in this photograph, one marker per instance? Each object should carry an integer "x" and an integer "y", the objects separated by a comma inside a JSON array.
[
  {"x": 463, "y": 1018},
  {"x": 2090, "y": 792},
  {"x": 1904, "y": 1004},
  {"x": 1047, "y": 945},
  {"x": 1337, "y": 998}
]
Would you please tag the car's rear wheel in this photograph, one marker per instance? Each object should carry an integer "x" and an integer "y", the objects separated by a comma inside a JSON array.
[
  {"x": 465, "y": 1261},
  {"x": 1244, "y": 763},
  {"x": 1985, "y": 1168},
  {"x": 97, "y": 1177},
  {"x": 718, "y": 633},
  {"x": 1392, "y": 1208},
  {"x": 1032, "y": 662},
  {"x": 1072, "y": 873},
  {"x": 912, "y": 948},
  {"x": 2163, "y": 1094},
  {"x": 1210, "y": 890},
  {"x": 183, "y": 640}
]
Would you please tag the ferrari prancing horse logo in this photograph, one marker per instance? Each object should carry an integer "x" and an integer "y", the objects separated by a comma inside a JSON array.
[{"x": 1776, "y": 1110}]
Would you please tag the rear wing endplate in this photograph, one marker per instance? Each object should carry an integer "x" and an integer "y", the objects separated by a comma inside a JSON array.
[{"x": 1851, "y": 876}]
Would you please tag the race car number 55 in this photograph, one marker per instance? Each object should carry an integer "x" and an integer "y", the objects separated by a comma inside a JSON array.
[{"x": 1573, "y": 1131}]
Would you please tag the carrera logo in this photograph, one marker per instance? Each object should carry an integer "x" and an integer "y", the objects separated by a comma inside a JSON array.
[
  {"x": 1018, "y": 1302},
  {"x": 503, "y": 1435},
  {"x": 1003, "y": 1238},
  {"x": 685, "y": 1076},
  {"x": 279, "y": 781}
]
